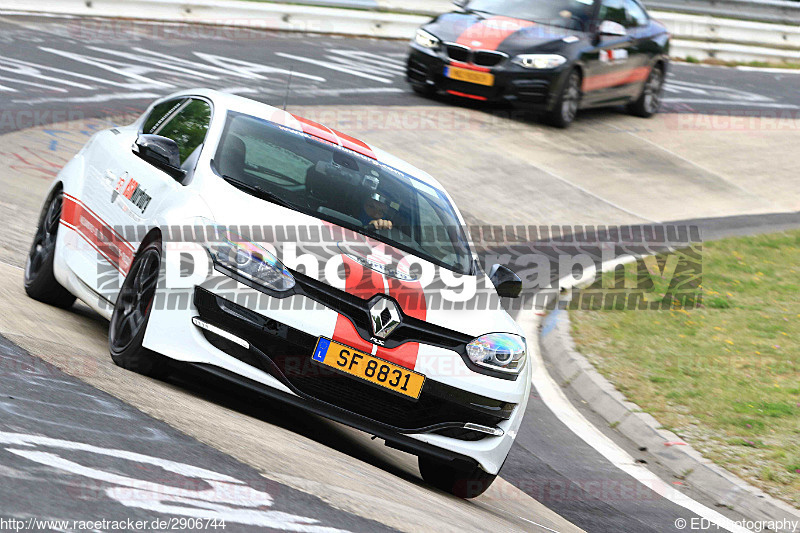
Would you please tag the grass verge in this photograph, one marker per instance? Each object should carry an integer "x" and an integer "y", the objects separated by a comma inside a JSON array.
[{"x": 725, "y": 376}]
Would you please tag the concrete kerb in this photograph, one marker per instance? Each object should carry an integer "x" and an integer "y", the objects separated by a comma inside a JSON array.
[{"x": 574, "y": 372}]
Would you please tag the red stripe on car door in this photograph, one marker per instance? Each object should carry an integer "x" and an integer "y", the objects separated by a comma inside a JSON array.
[
  {"x": 613, "y": 79},
  {"x": 97, "y": 233}
]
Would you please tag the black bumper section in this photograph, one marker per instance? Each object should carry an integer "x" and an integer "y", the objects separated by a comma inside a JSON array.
[
  {"x": 391, "y": 438},
  {"x": 285, "y": 353}
]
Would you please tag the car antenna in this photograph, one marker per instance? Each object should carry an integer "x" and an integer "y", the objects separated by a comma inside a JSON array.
[{"x": 288, "y": 85}]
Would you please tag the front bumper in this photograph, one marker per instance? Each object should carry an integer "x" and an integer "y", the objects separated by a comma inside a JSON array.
[
  {"x": 530, "y": 89},
  {"x": 277, "y": 362},
  {"x": 285, "y": 353}
]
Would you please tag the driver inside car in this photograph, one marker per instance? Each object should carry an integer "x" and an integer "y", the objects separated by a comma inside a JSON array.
[{"x": 377, "y": 212}]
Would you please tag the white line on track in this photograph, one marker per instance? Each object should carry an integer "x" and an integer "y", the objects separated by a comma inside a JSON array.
[
  {"x": 555, "y": 399},
  {"x": 557, "y": 402},
  {"x": 770, "y": 70},
  {"x": 728, "y": 102},
  {"x": 333, "y": 66},
  {"x": 502, "y": 512},
  {"x": 336, "y": 92},
  {"x": 89, "y": 99},
  {"x": 34, "y": 84},
  {"x": 242, "y": 90}
]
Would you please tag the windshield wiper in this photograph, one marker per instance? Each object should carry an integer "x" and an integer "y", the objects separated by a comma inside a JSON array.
[{"x": 258, "y": 192}]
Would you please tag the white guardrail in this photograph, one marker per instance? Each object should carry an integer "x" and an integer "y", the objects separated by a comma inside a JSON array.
[{"x": 699, "y": 36}]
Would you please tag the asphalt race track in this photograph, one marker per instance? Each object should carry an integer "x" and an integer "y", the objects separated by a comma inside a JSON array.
[
  {"x": 93, "y": 441},
  {"x": 99, "y": 67}
]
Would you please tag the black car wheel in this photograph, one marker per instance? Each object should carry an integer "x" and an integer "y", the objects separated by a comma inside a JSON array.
[
  {"x": 568, "y": 102},
  {"x": 131, "y": 313},
  {"x": 650, "y": 100},
  {"x": 464, "y": 483},
  {"x": 40, "y": 281}
]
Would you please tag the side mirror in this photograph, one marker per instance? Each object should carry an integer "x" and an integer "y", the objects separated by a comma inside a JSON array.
[
  {"x": 608, "y": 27},
  {"x": 507, "y": 284},
  {"x": 160, "y": 152}
]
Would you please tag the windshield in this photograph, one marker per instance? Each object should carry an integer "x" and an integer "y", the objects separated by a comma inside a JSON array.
[
  {"x": 343, "y": 187},
  {"x": 572, "y": 14}
]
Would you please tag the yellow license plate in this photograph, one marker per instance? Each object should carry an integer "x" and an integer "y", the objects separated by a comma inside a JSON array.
[
  {"x": 368, "y": 367},
  {"x": 470, "y": 76}
]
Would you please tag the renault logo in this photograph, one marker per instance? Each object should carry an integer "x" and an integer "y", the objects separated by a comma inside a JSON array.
[{"x": 385, "y": 318}]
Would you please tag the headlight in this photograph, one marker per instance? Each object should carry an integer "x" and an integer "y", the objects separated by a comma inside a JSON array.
[
  {"x": 426, "y": 40},
  {"x": 250, "y": 261},
  {"x": 499, "y": 351},
  {"x": 540, "y": 61}
]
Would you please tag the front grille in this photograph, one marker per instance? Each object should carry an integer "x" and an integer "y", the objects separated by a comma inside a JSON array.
[
  {"x": 458, "y": 53},
  {"x": 358, "y": 311},
  {"x": 285, "y": 352},
  {"x": 483, "y": 58},
  {"x": 488, "y": 59}
]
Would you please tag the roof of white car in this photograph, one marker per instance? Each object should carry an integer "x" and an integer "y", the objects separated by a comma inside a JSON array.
[{"x": 232, "y": 102}]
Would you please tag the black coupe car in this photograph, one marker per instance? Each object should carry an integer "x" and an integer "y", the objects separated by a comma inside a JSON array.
[{"x": 549, "y": 56}]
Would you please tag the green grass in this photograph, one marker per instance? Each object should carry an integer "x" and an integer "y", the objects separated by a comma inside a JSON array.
[{"x": 725, "y": 375}]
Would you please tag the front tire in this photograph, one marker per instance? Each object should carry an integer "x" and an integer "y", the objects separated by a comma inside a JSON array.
[
  {"x": 650, "y": 100},
  {"x": 40, "y": 280},
  {"x": 567, "y": 103},
  {"x": 131, "y": 314},
  {"x": 464, "y": 483}
]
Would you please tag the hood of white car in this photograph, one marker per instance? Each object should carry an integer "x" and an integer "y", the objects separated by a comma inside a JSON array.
[{"x": 361, "y": 265}]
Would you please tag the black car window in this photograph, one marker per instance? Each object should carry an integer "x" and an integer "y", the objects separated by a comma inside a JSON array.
[
  {"x": 636, "y": 13},
  {"x": 160, "y": 113},
  {"x": 573, "y": 14},
  {"x": 343, "y": 187},
  {"x": 187, "y": 126},
  {"x": 614, "y": 10}
]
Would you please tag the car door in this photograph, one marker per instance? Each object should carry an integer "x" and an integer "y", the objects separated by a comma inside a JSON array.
[
  {"x": 609, "y": 63},
  {"x": 122, "y": 192},
  {"x": 642, "y": 48}
]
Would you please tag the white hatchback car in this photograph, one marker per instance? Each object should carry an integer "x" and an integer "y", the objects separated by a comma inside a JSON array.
[{"x": 270, "y": 250}]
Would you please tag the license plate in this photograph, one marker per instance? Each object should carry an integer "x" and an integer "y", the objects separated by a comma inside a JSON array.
[
  {"x": 470, "y": 76},
  {"x": 368, "y": 367}
]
